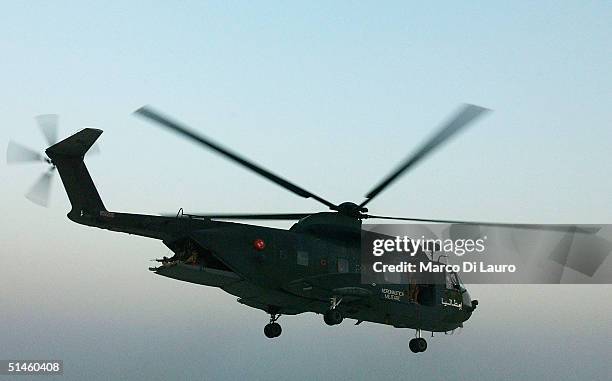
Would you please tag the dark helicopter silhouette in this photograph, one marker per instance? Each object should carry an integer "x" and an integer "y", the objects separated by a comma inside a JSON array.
[{"x": 312, "y": 267}]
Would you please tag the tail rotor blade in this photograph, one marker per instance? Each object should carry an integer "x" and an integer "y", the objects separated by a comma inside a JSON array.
[
  {"x": 40, "y": 191},
  {"x": 94, "y": 150},
  {"x": 16, "y": 153},
  {"x": 48, "y": 125}
]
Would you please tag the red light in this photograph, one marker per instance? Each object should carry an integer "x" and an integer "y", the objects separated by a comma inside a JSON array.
[{"x": 259, "y": 244}]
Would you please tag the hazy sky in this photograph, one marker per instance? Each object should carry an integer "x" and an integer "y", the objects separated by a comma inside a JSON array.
[{"x": 330, "y": 95}]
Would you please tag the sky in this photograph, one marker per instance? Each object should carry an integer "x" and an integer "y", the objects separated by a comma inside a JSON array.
[{"x": 331, "y": 95}]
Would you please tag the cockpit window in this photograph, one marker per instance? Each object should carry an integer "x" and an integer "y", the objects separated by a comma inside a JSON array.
[{"x": 452, "y": 280}]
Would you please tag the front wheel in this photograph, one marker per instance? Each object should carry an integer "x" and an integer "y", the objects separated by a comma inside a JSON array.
[{"x": 332, "y": 317}]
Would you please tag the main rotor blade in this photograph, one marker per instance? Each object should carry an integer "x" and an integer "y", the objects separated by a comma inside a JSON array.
[
  {"x": 467, "y": 114},
  {"x": 562, "y": 228},
  {"x": 150, "y": 114},
  {"x": 48, "y": 125},
  {"x": 16, "y": 153},
  {"x": 270, "y": 216},
  {"x": 39, "y": 193}
]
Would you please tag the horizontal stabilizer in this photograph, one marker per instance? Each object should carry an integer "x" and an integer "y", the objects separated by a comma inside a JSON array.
[{"x": 76, "y": 145}]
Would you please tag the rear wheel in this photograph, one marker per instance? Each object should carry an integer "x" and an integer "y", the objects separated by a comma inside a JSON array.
[{"x": 272, "y": 330}]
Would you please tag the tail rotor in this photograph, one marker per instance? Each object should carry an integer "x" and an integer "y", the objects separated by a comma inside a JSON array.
[
  {"x": 19, "y": 154},
  {"x": 16, "y": 153}
]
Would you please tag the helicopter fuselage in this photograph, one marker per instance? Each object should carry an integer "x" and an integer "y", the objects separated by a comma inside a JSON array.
[{"x": 290, "y": 271}]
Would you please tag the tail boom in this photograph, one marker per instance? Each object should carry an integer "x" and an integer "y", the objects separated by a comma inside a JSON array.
[{"x": 87, "y": 206}]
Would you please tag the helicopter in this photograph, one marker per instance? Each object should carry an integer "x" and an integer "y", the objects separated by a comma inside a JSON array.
[{"x": 314, "y": 266}]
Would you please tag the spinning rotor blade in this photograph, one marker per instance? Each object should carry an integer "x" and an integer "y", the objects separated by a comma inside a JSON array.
[
  {"x": 150, "y": 114},
  {"x": 562, "y": 228},
  {"x": 16, "y": 153},
  {"x": 39, "y": 193},
  {"x": 48, "y": 125},
  {"x": 466, "y": 115},
  {"x": 94, "y": 150},
  {"x": 271, "y": 216}
]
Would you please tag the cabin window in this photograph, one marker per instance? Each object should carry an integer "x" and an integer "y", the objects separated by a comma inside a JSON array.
[
  {"x": 343, "y": 265},
  {"x": 302, "y": 258},
  {"x": 282, "y": 254}
]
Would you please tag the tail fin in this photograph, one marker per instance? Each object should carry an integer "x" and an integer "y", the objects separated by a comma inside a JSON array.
[{"x": 67, "y": 156}]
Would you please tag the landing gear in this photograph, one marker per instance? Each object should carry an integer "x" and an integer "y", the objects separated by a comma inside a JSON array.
[
  {"x": 418, "y": 344},
  {"x": 333, "y": 316},
  {"x": 273, "y": 329}
]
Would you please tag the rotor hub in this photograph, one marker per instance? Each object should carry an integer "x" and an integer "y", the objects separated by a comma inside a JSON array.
[{"x": 351, "y": 209}]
